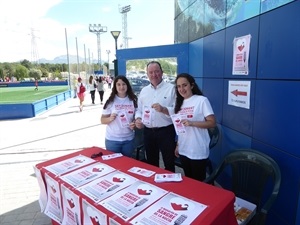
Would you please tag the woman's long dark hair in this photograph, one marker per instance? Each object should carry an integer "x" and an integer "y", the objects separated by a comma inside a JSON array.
[
  {"x": 91, "y": 79},
  {"x": 195, "y": 90},
  {"x": 114, "y": 92}
]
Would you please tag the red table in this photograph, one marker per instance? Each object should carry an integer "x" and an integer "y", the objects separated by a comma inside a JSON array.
[{"x": 220, "y": 210}]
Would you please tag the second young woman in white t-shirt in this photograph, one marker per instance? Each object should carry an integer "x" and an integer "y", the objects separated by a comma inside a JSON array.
[
  {"x": 196, "y": 115},
  {"x": 118, "y": 113}
]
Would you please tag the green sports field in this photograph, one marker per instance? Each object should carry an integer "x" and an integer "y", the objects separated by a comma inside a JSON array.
[{"x": 15, "y": 95}]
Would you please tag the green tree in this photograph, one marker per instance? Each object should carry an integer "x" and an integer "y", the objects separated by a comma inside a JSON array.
[
  {"x": 21, "y": 72},
  {"x": 45, "y": 72},
  {"x": 26, "y": 63},
  {"x": 35, "y": 73},
  {"x": 65, "y": 67},
  {"x": 1, "y": 72},
  {"x": 57, "y": 74},
  {"x": 9, "y": 70}
]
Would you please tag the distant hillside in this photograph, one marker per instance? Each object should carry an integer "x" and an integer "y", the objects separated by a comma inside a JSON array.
[{"x": 63, "y": 59}]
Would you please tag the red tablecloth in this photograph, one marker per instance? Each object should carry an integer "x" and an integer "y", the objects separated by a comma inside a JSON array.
[{"x": 220, "y": 202}]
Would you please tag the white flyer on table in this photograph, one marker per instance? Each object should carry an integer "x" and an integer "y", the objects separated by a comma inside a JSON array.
[
  {"x": 112, "y": 156},
  {"x": 133, "y": 199},
  {"x": 141, "y": 171},
  {"x": 107, "y": 185},
  {"x": 170, "y": 209},
  {"x": 71, "y": 207},
  {"x": 54, "y": 207},
  {"x": 68, "y": 165},
  {"x": 92, "y": 215},
  {"x": 167, "y": 177},
  {"x": 87, "y": 174}
]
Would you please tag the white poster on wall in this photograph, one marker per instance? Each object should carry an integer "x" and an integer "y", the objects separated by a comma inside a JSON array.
[
  {"x": 241, "y": 49},
  {"x": 239, "y": 93}
]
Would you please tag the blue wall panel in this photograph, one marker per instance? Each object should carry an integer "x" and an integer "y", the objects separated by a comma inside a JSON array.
[
  {"x": 213, "y": 54},
  {"x": 16, "y": 111},
  {"x": 196, "y": 58},
  {"x": 237, "y": 118},
  {"x": 279, "y": 45},
  {"x": 277, "y": 114},
  {"x": 239, "y": 30},
  {"x": 213, "y": 90}
]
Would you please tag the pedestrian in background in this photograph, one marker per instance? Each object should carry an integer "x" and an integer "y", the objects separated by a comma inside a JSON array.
[
  {"x": 154, "y": 103},
  {"x": 109, "y": 81},
  {"x": 118, "y": 113},
  {"x": 100, "y": 88},
  {"x": 92, "y": 87},
  {"x": 80, "y": 93},
  {"x": 36, "y": 85},
  {"x": 74, "y": 87},
  {"x": 196, "y": 115}
]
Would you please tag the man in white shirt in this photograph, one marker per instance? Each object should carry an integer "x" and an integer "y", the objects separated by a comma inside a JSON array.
[{"x": 154, "y": 102}]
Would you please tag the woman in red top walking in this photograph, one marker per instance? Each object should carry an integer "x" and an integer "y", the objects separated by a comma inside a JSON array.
[{"x": 80, "y": 93}]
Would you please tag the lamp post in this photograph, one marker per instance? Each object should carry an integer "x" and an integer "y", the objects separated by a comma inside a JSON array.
[
  {"x": 116, "y": 34},
  {"x": 98, "y": 30},
  {"x": 108, "y": 52}
]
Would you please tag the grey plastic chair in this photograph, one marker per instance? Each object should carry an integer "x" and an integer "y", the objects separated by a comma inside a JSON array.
[
  {"x": 253, "y": 176},
  {"x": 139, "y": 151}
]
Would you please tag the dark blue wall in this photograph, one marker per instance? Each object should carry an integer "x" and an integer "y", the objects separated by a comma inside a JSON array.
[{"x": 272, "y": 123}]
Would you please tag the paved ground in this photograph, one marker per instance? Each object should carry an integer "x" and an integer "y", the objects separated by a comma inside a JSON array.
[{"x": 27, "y": 142}]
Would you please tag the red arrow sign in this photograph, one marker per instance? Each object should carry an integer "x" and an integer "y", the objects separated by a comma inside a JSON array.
[{"x": 236, "y": 93}]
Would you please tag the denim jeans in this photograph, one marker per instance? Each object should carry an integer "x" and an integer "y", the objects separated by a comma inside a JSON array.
[{"x": 124, "y": 147}]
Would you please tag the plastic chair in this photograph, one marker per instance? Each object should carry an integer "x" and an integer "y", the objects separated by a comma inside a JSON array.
[
  {"x": 254, "y": 177},
  {"x": 139, "y": 152},
  {"x": 214, "y": 135}
]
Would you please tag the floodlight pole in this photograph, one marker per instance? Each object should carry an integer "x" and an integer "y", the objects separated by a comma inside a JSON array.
[{"x": 98, "y": 30}]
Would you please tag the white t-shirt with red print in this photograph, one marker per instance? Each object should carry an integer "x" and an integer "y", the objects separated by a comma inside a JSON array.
[
  {"x": 117, "y": 130},
  {"x": 194, "y": 143}
]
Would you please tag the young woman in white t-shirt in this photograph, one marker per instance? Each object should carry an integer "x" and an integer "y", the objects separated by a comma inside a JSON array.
[
  {"x": 118, "y": 113},
  {"x": 196, "y": 115}
]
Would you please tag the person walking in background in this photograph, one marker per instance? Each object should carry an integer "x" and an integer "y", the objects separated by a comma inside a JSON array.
[
  {"x": 36, "y": 85},
  {"x": 154, "y": 103},
  {"x": 80, "y": 93},
  {"x": 74, "y": 83},
  {"x": 118, "y": 114},
  {"x": 100, "y": 88},
  {"x": 196, "y": 115},
  {"x": 92, "y": 87},
  {"x": 109, "y": 81}
]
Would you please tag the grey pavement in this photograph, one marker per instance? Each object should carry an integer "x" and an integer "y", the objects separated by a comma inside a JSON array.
[{"x": 27, "y": 142}]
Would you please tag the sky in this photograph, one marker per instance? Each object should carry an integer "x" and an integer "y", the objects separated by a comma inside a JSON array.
[{"x": 38, "y": 28}]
